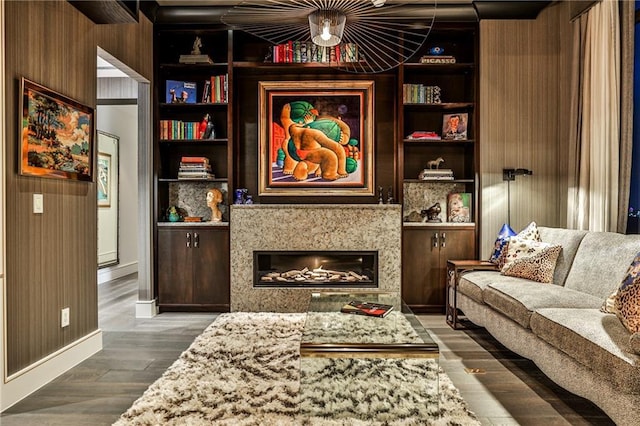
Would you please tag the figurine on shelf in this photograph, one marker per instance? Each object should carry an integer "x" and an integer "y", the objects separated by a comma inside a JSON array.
[
  {"x": 435, "y": 164},
  {"x": 173, "y": 215},
  {"x": 380, "y": 196},
  {"x": 197, "y": 44},
  {"x": 214, "y": 197},
  {"x": 432, "y": 213},
  {"x": 207, "y": 130}
]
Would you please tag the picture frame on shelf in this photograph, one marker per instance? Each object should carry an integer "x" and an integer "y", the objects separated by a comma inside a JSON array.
[
  {"x": 316, "y": 138},
  {"x": 454, "y": 126},
  {"x": 57, "y": 135},
  {"x": 459, "y": 207}
]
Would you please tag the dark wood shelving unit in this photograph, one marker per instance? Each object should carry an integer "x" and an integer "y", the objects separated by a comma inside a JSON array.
[
  {"x": 427, "y": 248},
  {"x": 235, "y": 151},
  {"x": 192, "y": 259}
]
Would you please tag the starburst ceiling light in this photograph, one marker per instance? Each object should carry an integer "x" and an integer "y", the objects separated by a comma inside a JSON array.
[{"x": 384, "y": 35}]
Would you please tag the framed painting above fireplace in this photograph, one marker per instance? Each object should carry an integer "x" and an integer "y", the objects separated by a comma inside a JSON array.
[{"x": 316, "y": 138}]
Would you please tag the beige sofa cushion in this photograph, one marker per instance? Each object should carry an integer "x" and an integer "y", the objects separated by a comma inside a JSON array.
[
  {"x": 569, "y": 239},
  {"x": 597, "y": 340},
  {"x": 601, "y": 263},
  {"x": 518, "y": 300},
  {"x": 473, "y": 283}
]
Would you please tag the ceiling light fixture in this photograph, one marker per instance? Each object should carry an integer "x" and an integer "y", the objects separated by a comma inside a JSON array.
[
  {"x": 327, "y": 27},
  {"x": 383, "y": 37}
]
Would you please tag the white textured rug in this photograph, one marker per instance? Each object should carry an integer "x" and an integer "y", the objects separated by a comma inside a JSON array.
[{"x": 244, "y": 369}]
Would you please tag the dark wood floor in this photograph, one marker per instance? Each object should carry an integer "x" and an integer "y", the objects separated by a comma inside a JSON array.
[{"x": 136, "y": 352}]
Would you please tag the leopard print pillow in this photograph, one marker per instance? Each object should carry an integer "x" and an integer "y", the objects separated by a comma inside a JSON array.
[
  {"x": 627, "y": 301},
  {"x": 609, "y": 304},
  {"x": 533, "y": 260},
  {"x": 530, "y": 232}
]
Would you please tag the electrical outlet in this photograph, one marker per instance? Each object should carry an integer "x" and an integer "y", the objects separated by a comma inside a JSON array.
[{"x": 64, "y": 318}]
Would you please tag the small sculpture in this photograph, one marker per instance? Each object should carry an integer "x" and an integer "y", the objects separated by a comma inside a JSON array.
[
  {"x": 214, "y": 197},
  {"x": 173, "y": 215},
  {"x": 435, "y": 164},
  {"x": 432, "y": 213},
  {"x": 207, "y": 130},
  {"x": 197, "y": 44}
]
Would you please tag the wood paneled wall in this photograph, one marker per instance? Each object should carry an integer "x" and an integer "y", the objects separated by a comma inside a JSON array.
[
  {"x": 524, "y": 95},
  {"x": 52, "y": 257}
]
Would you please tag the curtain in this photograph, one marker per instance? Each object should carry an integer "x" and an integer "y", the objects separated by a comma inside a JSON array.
[
  {"x": 627, "y": 29},
  {"x": 594, "y": 157}
]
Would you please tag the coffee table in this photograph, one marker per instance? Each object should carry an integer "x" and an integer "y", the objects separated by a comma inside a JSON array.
[{"x": 355, "y": 366}]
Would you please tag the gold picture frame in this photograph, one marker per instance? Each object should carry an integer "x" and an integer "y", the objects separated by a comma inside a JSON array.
[{"x": 316, "y": 138}]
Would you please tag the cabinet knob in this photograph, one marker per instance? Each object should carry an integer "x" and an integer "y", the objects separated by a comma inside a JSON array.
[
  {"x": 443, "y": 240},
  {"x": 435, "y": 240},
  {"x": 196, "y": 240},
  {"x": 188, "y": 239}
]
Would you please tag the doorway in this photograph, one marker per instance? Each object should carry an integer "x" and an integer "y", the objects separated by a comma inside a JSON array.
[{"x": 123, "y": 118}]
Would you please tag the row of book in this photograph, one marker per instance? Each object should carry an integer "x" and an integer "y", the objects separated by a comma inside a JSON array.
[
  {"x": 421, "y": 94},
  {"x": 198, "y": 168},
  {"x": 306, "y": 51},
  {"x": 176, "y": 129},
  {"x": 216, "y": 89}
]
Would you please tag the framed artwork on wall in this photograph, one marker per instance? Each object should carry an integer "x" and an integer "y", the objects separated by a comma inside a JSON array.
[
  {"x": 57, "y": 135},
  {"x": 316, "y": 138},
  {"x": 104, "y": 179}
]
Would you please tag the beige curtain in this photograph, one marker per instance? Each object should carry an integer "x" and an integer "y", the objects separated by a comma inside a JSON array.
[{"x": 594, "y": 157}]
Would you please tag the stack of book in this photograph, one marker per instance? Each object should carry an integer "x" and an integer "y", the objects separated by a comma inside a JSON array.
[
  {"x": 436, "y": 174},
  {"x": 197, "y": 168},
  {"x": 424, "y": 135},
  {"x": 437, "y": 59}
]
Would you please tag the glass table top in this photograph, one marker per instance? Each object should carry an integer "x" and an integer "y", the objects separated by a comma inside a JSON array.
[{"x": 331, "y": 333}]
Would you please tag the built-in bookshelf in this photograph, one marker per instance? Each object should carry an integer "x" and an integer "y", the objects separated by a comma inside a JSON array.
[
  {"x": 438, "y": 158},
  {"x": 225, "y": 82}
]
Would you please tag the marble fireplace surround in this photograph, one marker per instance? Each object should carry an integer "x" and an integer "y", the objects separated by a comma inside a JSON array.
[{"x": 309, "y": 227}]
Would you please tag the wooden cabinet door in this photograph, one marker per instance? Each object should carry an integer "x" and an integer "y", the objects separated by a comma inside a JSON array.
[
  {"x": 454, "y": 244},
  {"x": 210, "y": 256},
  {"x": 424, "y": 264},
  {"x": 174, "y": 267},
  {"x": 420, "y": 269}
]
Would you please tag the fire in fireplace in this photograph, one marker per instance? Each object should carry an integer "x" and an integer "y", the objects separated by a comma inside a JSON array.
[{"x": 331, "y": 269}]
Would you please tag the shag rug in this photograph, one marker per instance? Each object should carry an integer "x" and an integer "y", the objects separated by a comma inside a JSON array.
[{"x": 245, "y": 369}]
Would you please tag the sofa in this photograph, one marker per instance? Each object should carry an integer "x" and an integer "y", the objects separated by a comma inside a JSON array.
[{"x": 561, "y": 326}]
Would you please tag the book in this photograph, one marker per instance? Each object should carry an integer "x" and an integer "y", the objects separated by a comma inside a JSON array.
[
  {"x": 195, "y": 59},
  {"x": 454, "y": 126},
  {"x": 181, "y": 92},
  {"x": 437, "y": 59},
  {"x": 371, "y": 309}
]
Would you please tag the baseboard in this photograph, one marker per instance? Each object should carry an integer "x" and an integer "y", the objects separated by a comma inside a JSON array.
[
  {"x": 116, "y": 271},
  {"x": 146, "y": 308},
  {"x": 23, "y": 383}
]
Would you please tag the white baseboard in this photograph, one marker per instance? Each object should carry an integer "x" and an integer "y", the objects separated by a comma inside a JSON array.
[
  {"x": 116, "y": 271},
  {"x": 146, "y": 308},
  {"x": 23, "y": 383}
]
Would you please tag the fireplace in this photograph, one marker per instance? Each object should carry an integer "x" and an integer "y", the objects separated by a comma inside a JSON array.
[
  {"x": 323, "y": 269},
  {"x": 332, "y": 229}
]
